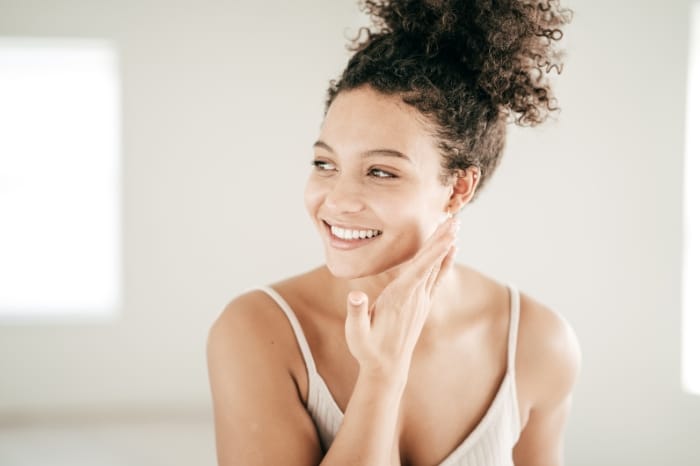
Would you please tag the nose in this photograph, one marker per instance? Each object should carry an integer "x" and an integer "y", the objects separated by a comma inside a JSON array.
[{"x": 344, "y": 196}]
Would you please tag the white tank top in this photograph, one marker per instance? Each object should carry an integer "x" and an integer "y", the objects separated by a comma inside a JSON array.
[{"x": 489, "y": 444}]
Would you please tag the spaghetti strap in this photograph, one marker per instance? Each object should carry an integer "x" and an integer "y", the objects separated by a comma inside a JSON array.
[
  {"x": 513, "y": 328},
  {"x": 298, "y": 331}
]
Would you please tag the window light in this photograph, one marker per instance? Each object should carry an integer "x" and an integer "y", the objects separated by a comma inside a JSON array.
[{"x": 59, "y": 178}]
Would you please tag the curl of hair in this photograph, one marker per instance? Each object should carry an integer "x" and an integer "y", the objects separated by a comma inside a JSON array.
[{"x": 469, "y": 65}]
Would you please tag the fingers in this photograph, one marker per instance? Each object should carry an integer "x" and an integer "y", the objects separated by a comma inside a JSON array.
[
  {"x": 435, "y": 278},
  {"x": 432, "y": 276},
  {"x": 357, "y": 321},
  {"x": 437, "y": 270}
]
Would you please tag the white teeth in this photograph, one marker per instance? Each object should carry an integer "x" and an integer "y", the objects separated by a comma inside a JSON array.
[{"x": 353, "y": 234}]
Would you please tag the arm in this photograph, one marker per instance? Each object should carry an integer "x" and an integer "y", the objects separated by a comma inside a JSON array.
[
  {"x": 259, "y": 418},
  {"x": 550, "y": 356},
  {"x": 366, "y": 436}
]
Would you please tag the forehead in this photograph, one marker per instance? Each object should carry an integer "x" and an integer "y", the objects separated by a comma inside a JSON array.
[{"x": 362, "y": 119}]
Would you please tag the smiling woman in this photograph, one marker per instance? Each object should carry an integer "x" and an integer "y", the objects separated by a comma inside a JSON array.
[
  {"x": 377, "y": 174},
  {"x": 391, "y": 353}
]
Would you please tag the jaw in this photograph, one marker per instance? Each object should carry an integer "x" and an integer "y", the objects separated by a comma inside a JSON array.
[{"x": 377, "y": 261}]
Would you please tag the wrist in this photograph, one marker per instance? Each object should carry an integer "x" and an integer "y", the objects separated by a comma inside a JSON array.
[{"x": 383, "y": 379}]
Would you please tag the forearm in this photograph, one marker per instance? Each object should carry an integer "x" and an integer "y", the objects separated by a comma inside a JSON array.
[{"x": 366, "y": 436}]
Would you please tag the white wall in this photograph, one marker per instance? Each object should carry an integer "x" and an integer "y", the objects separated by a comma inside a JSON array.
[
  {"x": 222, "y": 101},
  {"x": 221, "y": 104}
]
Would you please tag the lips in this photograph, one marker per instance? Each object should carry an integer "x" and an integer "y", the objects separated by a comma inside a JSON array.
[{"x": 346, "y": 237}]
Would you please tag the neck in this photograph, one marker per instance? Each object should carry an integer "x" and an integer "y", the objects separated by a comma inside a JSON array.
[{"x": 442, "y": 303}]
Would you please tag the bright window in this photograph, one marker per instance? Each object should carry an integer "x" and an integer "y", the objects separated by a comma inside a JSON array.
[
  {"x": 691, "y": 215},
  {"x": 59, "y": 179}
]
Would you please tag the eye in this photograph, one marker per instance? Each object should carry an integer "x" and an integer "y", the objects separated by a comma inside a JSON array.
[
  {"x": 379, "y": 173},
  {"x": 322, "y": 165}
]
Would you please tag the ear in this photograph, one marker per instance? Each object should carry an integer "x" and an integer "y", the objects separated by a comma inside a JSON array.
[{"x": 463, "y": 188}]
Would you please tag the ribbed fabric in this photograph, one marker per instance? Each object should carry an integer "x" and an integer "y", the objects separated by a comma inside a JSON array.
[{"x": 489, "y": 444}]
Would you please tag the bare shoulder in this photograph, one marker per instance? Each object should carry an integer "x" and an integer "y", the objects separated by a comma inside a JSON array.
[
  {"x": 548, "y": 356},
  {"x": 253, "y": 321},
  {"x": 248, "y": 321},
  {"x": 547, "y": 364},
  {"x": 259, "y": 417}
]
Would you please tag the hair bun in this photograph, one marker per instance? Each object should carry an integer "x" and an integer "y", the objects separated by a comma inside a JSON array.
[{"x": 505, "y": 47}]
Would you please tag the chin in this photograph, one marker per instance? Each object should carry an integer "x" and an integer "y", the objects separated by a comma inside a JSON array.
[
  {"x": 349, "y": 270},
  {"x": 346, "y": 271}
]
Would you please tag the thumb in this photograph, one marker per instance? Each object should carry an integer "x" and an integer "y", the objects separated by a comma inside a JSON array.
[{"x": 357, "y": 318}]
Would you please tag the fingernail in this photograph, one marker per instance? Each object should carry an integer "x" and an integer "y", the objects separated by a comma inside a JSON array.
[{"x": 356, "y": 298}]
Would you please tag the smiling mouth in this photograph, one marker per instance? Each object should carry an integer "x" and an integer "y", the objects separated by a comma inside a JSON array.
[{"x": 348, "y": 235}]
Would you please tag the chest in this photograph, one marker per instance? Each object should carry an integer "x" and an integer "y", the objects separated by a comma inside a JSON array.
[{"x": 451, "y": 387}]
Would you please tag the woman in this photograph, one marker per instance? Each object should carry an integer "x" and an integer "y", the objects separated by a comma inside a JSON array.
[{"x": 391, "y": 353}]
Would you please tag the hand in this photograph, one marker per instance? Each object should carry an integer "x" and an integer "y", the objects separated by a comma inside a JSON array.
[{"x": 382, "y": 339}]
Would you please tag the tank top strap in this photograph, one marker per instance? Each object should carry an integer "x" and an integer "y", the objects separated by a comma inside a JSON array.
[
  {"x": 513, "y": 326},
  {"x": 298, "y": 331}
]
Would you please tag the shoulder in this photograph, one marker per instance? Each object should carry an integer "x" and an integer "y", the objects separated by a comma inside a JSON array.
[
  {"x": 255, "y": 312},
  {"x": 243, "y": 313},
  {"x": 548, "y": 354},
  {"x": 254, "y": 323},
  {"x": 251, "y": 322},
  {"x": 259, "y": 415}
]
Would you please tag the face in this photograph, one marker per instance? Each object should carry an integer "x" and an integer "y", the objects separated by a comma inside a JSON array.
[{"x": 374, "y": 191}]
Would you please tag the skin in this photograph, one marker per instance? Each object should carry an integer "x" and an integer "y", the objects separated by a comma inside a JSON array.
[{"x": 417, "y": 362}]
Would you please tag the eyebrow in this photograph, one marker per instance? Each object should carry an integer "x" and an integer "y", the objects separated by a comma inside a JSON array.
[{"x": 369, "y": 153}]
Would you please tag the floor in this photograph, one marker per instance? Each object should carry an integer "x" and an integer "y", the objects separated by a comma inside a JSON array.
[{"x": 151, "y": 442}]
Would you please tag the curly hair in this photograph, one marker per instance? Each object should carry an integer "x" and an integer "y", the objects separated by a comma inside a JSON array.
[{"x": 469, "y": 66}]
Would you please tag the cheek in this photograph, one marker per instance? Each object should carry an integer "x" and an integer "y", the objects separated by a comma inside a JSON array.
[
  {"x": 415, "y": 224},
  {"x": 413, "y": 213},
  {"x": 313, "y": 195},
  {"x": 407, "y": 235}
]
